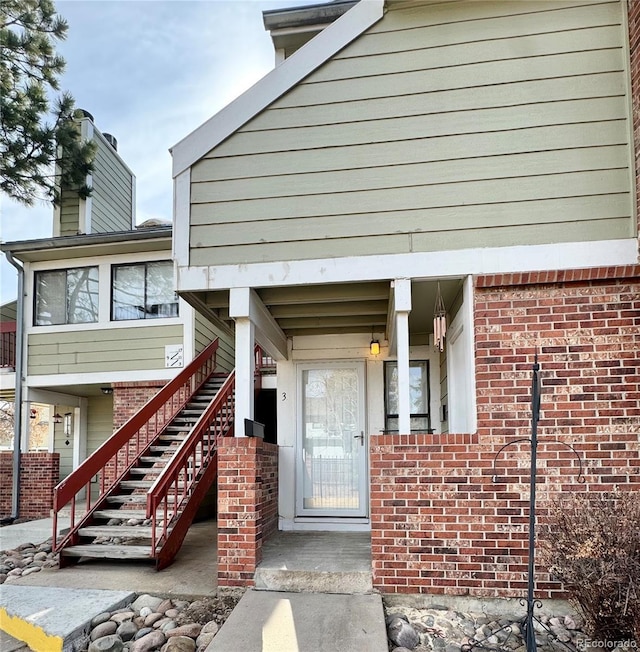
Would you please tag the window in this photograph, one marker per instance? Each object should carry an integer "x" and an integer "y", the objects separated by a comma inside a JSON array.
[
  {"x": 143, "y": 291},
  {"x": 418, "y": 396},
  {"x": 67, "y": 296}
]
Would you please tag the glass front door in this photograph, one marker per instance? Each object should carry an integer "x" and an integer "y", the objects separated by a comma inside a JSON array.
[{"x": 332, "y": 443}]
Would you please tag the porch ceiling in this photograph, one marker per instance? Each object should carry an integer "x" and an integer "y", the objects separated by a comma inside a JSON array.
[{"x": 335, "y": 308}]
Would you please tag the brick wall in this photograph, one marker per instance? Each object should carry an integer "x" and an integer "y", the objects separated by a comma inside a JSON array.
[
  {"x": 634, "y": 53},
  {"x": 128, "y": 398},
  {"x": 39, "y": 475},
  {"x": 439, "y": 522},
  {"x": 247, "y": 506}
]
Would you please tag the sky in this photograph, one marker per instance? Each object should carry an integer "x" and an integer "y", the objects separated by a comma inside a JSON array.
[{"x": 150, "y": 72}]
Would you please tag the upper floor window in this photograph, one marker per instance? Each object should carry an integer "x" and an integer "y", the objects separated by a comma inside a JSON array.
[
  {"x": 67, "y": 296},
  {"x": 143, "y": 291}
]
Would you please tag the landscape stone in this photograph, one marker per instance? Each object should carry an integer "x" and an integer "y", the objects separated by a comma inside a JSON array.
[
  {"x": 211, "y": 627},
  {"x": 152, "y": 618},
  {"x": 164, "y": 605},
  {"x": 146, "y": 600},
  {"x": 401, "y": 633},
  {"x": 149, "y": 642},
  {"x": 192, "y": 630},
  {"x": 104, "y": 629},
  {"x": 204, "y": 639},
  {"x": 127, "y": 630},
  {"x": 110, "y": 643},
  {"x": 143, "y": 632},
  {"x": 31, "y": 569},
  {"x": 179, "y": 644},
  {"x": 145, "y": 611},
  {"x": 122, "y": 616},
  {"x": 171, "y": 613}
]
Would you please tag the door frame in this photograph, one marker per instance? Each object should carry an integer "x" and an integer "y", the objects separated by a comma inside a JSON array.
[{"x": 344, "y": 515}]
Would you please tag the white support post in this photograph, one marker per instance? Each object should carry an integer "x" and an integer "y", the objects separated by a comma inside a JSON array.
[
  {"x": 80, "y": 433},
  {"x": 245, "y": 369},
  {"x": 402, "y": 306},
  {"x": 240, "y": 310}
]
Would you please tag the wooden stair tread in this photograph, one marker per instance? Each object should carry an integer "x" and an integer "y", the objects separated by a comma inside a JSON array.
[
  {"x": 120, "y": 513},
  {"x": 98, "y": 551},
  {"x": 121, "y": 531},
  {"x": 136, "y": 484},
  {"x": 134, "y": 499}
]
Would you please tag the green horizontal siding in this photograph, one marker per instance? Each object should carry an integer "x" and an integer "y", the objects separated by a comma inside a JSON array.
[
  {"x": 443, "y": 127},
  {"x": 117, "y": 349}
]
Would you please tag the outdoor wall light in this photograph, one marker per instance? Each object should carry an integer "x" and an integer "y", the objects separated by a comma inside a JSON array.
[
  {"x": 57, "y": 418},
  {"x": 106, "y": 390},
  {"x": 374, "y": 347}
]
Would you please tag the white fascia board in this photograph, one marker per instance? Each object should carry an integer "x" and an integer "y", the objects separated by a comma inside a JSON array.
[
  {"x": 431, "y": 264},
  {"x": 281, "y": 79},
  {"x": 181, "y": 217},
  {"x": 102, "y": 378},
  {"x": 51, "y": 398}
]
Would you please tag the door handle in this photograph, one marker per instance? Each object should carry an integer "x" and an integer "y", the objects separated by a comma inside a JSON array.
[{"x": 360, "y": 437}]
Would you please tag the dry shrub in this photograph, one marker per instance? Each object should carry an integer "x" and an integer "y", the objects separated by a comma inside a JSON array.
[{"x": 592, "y": 544}]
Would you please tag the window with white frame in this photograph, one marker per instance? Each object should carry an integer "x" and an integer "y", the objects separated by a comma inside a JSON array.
[
  {"x": 143, "y": 291},
  {"x": 419, "y": 396},
  {"x": 66, "y": 296}
]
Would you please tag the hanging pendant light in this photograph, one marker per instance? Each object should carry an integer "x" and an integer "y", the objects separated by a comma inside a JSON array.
[{"x": 439, "y": 321}]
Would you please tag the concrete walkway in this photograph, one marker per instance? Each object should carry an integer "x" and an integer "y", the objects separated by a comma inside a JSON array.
[
  {"x": 11, "y": 536},
  {"x": 193, "y": 573},
  {"x": 268, "y": 621}
]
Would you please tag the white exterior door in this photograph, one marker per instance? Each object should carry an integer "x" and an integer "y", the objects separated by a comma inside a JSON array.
[{"x": 332, "y": 446}]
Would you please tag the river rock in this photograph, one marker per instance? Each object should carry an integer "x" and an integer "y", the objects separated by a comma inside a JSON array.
[
  {"x": 164, "y": 606},
  {"x": 127, "y": 630},
  {"x": 145, "y": 611},
  {"x": 152, "y": 618},
  {"x": 179, "y": 644},
  {"x": 123, "y": 616},
  {"x": 402, "y": 634},
  {"x": 211, "y": 627},
  {"x": 111, "y": 643},
  {"x": 31, "y": 569},
  {"x": 148, "y": 642},
  {"x": 192, "y": 630},
  {"x": 103, "y": 629},
  {"x": 146, "y": 600}
]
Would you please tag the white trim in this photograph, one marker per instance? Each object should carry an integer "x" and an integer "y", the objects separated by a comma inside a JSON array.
[
  {"x": 104, "y": 325},
  {"x": 187, "y": 314},
  {"x": 432, "y": 264},
  {"x": 88, "y": 132},
  {"x": 630, "y": 126},
  {"x": 245, "y": 303},
  {"x": 80, "y": 433},
  {"x": 47, "y": 397},
  {"x": 282, "y": 78},
  {"x": 110, "y": 259},
  {"x": 468, "y": 308},
  {"x": 181, "y": 218},
  {"x": 245, "y": 373},
  {"x": 101, "y": 378}
]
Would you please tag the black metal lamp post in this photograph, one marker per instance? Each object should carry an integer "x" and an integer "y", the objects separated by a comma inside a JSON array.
[{"x": 531, "y": 602}]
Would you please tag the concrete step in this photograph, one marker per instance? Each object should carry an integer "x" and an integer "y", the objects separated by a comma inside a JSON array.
[
  {"x": 27, "y": 614},
  {"x": 305, "y": 622}
]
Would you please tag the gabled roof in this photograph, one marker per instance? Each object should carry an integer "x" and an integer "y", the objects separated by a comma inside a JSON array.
[{"x": 281, "y": 79}]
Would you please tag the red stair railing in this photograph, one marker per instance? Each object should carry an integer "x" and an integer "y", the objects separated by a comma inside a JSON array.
[
  {"x": 113, "y": 460},
  {"x": 174, "y": 497},
  {"x": 8, "y": 344}
]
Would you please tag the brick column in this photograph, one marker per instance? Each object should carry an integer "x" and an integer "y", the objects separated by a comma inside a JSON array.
[{"x": 247, "y": 506}]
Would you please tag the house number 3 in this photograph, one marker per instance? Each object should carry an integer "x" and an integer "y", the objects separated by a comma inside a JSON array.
[{"x": 284, "y": 396}]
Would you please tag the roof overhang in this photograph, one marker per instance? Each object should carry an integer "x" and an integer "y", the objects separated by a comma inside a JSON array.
[
  {"x": 80, "y": 246},
  {"x": 273, "y": 85}
]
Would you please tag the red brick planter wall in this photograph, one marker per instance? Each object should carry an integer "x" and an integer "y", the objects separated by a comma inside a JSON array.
[
  {"x": 39, "y": 475},
  {"x": 439, "y": 523},
  {"x": 247, "y": 506}
]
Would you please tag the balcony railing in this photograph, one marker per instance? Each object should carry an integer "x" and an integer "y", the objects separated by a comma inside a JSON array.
[{"x": 8, "y": 344}]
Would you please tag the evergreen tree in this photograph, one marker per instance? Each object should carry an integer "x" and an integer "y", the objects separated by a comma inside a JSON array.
[{"x": 34, "y": 134}]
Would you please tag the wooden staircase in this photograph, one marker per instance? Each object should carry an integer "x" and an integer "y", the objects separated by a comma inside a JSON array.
[{"x": 152, "y": 473}]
